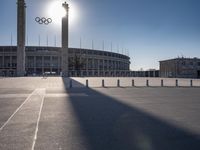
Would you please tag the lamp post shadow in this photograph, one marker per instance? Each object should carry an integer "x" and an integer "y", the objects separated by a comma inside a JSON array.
[{"x": 108, "y": 124}]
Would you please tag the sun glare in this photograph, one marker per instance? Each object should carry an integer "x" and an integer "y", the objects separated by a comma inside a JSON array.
[{"x": 56, "y": 12}]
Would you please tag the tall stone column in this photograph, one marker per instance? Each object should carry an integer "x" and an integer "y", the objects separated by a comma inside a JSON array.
[
  {"x": 21, "y": 28},
  {"x": 35, "y": 64},
  {"x": 64, "y": 53}
]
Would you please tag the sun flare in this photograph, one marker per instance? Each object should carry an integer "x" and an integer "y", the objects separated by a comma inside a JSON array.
[{"x": 56, "y": 12}]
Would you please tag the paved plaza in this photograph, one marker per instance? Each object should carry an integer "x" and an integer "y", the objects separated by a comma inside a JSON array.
[{"x": 39, "y": 113}]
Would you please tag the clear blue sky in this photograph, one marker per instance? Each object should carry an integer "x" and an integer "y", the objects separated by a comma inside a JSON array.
[{"x": 151, "y": 30}]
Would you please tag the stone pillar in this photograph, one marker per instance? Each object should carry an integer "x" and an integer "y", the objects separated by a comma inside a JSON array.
[
  {"x": 98, "y": 63},
  {"x": 87, "y": 67},
  {"x": 21, "y": 28},
  {"x": 10, "y": 62},
  {"x": 93, "y": 69},
  {"x": 3, "y": 59},
  {"x": 43, "y": 65},
  {"x": 64, "y": 63},
  {"x": 115, "y": 68},
  {"x": 34, "y": 64},
  {"x": 59, "y": 65},
  {"x": 103, "y": 68},
  {"x": 51, "y": 64}
]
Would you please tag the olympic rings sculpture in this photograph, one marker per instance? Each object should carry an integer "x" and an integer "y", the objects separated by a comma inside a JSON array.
[{"x": 43, "y": 20}]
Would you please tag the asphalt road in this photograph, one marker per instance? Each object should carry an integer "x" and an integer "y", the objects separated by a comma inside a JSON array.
[{"x": 44, "y": 114}]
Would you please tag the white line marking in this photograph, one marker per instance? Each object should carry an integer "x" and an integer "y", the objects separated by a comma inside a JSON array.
[
  {"x": 38, "y": 120},
  {"x": 16, "y": 111}
]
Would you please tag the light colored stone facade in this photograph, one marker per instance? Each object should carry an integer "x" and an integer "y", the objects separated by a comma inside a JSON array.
[
  {"x": 81, "y": 62},
  {"x": 180, "y": 68}
]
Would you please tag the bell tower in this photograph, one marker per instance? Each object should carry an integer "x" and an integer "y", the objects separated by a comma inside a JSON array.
[
  {"x": 65, "y": 41},
  {"x": 21, "y": 28}
]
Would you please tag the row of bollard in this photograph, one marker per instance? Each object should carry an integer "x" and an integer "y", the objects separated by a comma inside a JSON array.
[{"x": 133, "y": 83}]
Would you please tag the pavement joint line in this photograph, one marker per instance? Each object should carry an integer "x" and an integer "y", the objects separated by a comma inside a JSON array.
[
  {"x": 39, "y": 116},
  {"x": 2, "y": 127}
]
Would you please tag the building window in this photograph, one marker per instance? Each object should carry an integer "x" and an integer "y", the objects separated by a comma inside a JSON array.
[
  {"x": 198, "y": 63},
  {"x": 183, "y": 63}
]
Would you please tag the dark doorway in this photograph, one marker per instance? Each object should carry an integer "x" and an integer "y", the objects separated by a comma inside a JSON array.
[{"x": 198, "y": 73}]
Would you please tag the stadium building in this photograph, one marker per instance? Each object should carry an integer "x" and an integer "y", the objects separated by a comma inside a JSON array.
[
  {"x": 23, "y": 60},
  {"x": 82, "y": 62}
]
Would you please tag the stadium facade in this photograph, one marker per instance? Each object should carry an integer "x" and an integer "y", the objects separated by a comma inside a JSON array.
[
  {"x": 23, "y": 60},
  {"x": 82, "y": 62}
]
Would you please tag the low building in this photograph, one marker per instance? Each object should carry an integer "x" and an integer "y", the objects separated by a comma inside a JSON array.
[
  {"x": 180, "y": 68},
  {"x": 146, "y": 73}
]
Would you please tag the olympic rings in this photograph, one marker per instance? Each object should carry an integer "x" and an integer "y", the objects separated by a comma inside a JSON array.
[{"x": 43, "y": 20}]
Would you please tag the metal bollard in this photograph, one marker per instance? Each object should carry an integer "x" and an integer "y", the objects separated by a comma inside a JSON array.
[
  {"x": 147, "y": 83},
  {"x": 87, "y": 83},
  {"x": 162, "y": 84},
  {"x": 70, "y": 83},
  {"x": 191, "y": 83},
  {"x": 118, "y": 83},
  {"x": 176, "y": 83},
  {"x": 133, "y": 83},
  {"x": 103, "y": 85}
]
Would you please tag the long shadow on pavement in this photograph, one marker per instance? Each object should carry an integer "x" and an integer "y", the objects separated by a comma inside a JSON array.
[{"x": 108, "y": 124}]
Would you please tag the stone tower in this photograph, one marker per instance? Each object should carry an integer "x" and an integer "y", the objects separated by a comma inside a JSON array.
[
  {"x": 64, "y": 53},
  {"x": 21, "y": 28}
]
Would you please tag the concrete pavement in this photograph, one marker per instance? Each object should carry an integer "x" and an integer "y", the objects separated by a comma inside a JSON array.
[{"x": 39, "y": 114}]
